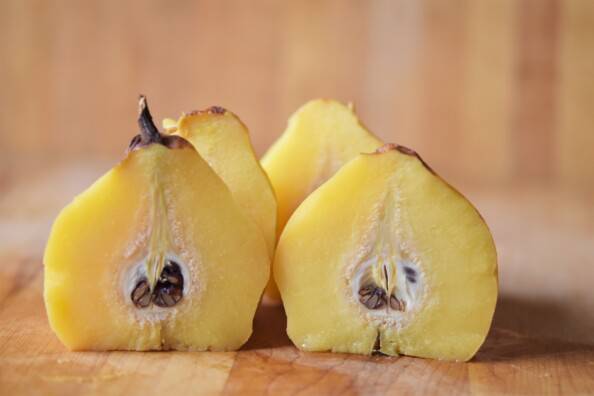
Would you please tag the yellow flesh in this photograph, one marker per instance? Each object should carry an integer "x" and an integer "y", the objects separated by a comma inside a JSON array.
[
  {"x": 223, "y": 141},
  {"x": 170, "y": 125},
  {"x": 387, "y": 206},
  {"x": 156, "y": 201},
  {"x": 321, "y": 136}
]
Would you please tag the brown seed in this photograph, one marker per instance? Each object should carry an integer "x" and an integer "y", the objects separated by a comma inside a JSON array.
[
  {"x": 366, "y": 290},
  {"x": 177, "y": 294},
  {"x": 368, "y": 301},
  {"x": 158, "y": 300},
  {"x": 409, "y": 271},
  {"x": 166, "y": 295},
  {"x": 141, "y": 295},
  {"x": 164, "y": 299},
  {"x": 145, "y": 300},
  {"x": 167, "y": 292},
  {"x": 169, "y": 288},
  {"x": 374, "y": 299},
  {"x": 396, "y": 304},
  {"x": 381, "y": 299}
]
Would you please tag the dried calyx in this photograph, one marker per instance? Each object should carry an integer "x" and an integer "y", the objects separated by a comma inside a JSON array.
[
  {"x": 149, "y": 134},
  {"x": 167, "y": 292}
]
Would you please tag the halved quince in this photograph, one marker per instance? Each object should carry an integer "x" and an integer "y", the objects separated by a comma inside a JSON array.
[
  {"x": 321, "y": 137},
  {"x": 223, "y": 141},
  {"x": 155, "y": 255},
  {"x": 386, "y": 256}
]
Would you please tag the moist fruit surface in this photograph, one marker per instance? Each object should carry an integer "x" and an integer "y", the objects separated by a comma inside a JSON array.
[
  {"x": 223, "y": 141},
  {"x": 156, "y": 254},
  {"x": 321, "y": 137},
  {"x": 387, "y": 256}
]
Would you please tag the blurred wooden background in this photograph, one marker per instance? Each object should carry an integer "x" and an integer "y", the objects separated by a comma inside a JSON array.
[{"x": 489, "y": 92}]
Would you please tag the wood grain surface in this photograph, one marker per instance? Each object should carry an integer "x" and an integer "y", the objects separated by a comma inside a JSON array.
[{"x": 541, "y": 342}]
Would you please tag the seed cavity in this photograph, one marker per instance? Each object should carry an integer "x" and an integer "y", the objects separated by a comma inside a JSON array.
[
  {"x": 167, "y": 292},
  {"x": 378, "y": 291},
  {"x": 387, "y": 286},
  {"x": 385, "y": 278}
]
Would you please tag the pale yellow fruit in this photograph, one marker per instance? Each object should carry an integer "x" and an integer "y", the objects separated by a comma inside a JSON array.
[
  {"x": 161, "y": 204},
  {"x": 387, "y": 256},
  {"x": 169, "y": 124},
  {"x": 321, "y": 137},
  {"x": 223, "y": 141}
]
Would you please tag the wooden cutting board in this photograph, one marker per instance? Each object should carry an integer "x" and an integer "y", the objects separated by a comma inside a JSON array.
[{"x": 541, "y": 342}]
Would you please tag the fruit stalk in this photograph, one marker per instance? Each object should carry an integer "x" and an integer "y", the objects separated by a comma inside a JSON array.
[{"x": 148, "y": 131}]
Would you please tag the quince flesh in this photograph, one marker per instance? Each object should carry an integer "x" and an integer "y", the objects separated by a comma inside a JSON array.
[
  {"x": 223, "y": 141},
  {"x": 320, "y": 138},
  {"x": 156, "y": 254},
  {"x": 386, "y": 256}
]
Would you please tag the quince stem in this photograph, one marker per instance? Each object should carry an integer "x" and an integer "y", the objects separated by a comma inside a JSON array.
[{"x": 148, "y": 131}]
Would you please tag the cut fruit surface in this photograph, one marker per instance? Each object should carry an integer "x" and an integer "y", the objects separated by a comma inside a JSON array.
[
  {"x": 321, "y": 137},
  {"x": 387, "y": 256},
  {"x": 155, "y": 255},
  {"x": 223, "y": 141}
]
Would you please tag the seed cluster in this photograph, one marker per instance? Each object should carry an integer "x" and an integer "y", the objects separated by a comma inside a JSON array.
[
  {"x": 169, "y": 288},
  {"x": 372, "y": 296},
  {"x": 375, "y": 297},
  {"x": 167, "y": 292}
]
